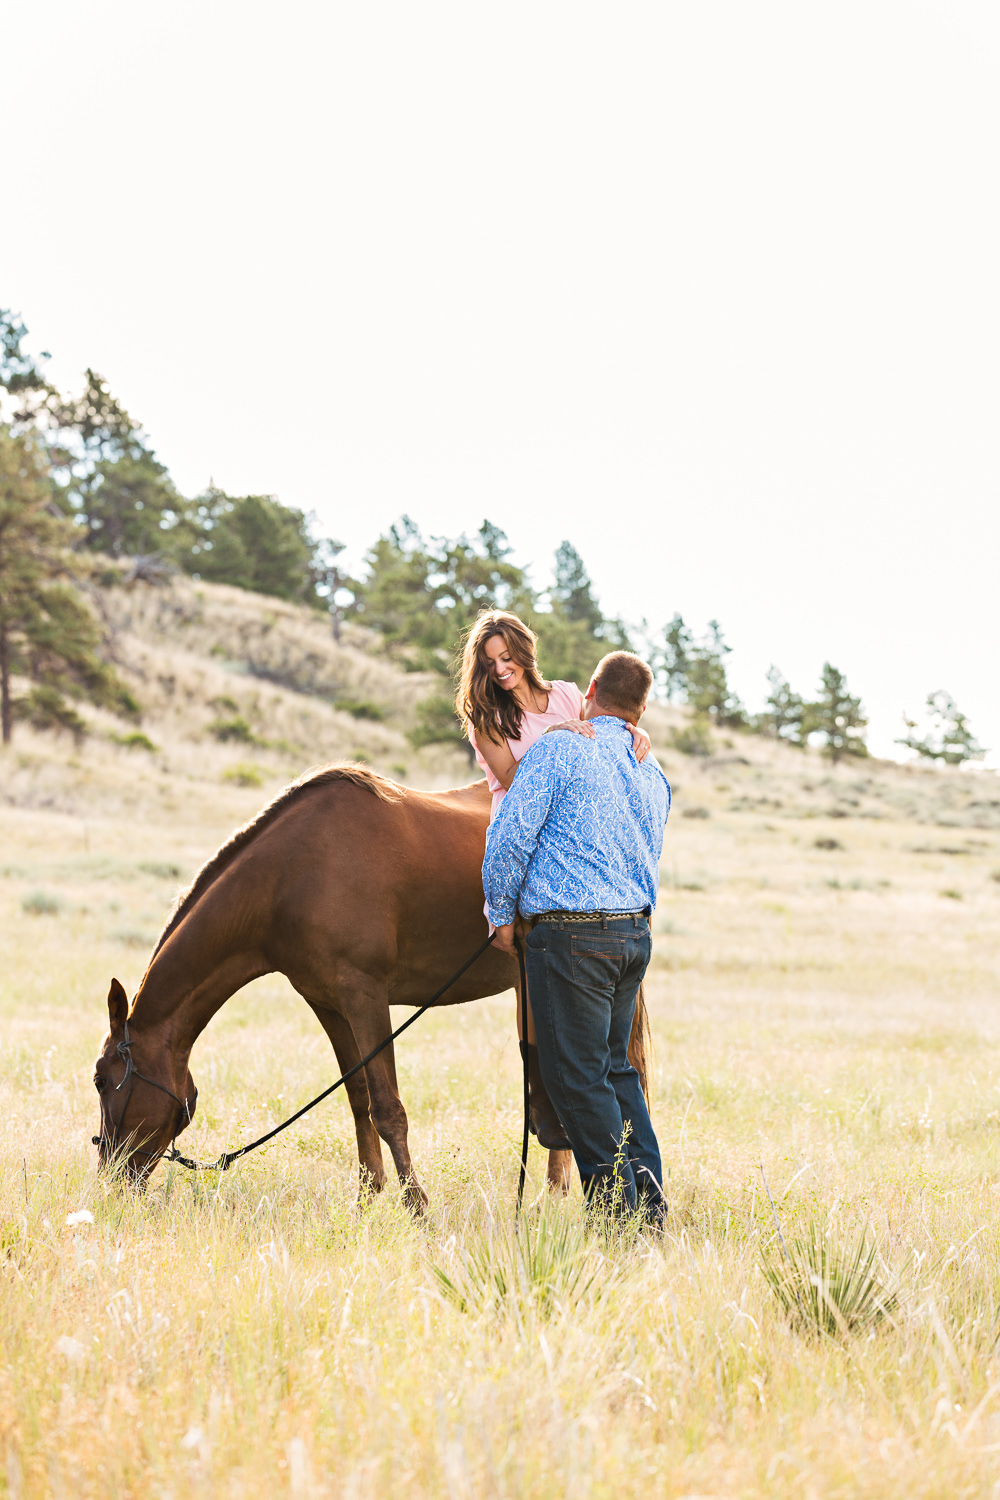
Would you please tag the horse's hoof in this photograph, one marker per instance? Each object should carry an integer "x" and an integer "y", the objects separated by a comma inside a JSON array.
[
  {"x": 415, "y": 1198},
  {"x": 369, "y": 1185}
]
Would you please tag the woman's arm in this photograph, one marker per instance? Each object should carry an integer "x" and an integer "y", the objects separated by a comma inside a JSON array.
[
  {"x": 641, "y": 743},
  {"x": 496, "y": 754}
]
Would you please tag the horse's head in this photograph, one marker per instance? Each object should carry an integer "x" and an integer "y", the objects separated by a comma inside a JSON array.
[{"x": 142, "y": 1107}]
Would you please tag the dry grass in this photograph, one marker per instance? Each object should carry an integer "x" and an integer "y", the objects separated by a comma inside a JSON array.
[
  {"x": 827, "y": 1012},
  {"x": 236, "y": 691}
]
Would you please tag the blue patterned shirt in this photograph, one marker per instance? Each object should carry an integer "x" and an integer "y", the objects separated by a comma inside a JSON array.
[{"x": 581, "y": 828}]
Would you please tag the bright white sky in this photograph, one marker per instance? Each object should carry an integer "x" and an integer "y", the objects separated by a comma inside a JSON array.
[{"x": 709, "y": 288}]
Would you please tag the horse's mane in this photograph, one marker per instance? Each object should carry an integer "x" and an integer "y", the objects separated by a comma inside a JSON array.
[{"x": 357, "y": 775}]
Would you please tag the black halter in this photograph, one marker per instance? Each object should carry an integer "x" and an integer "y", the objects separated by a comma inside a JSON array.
[{"x": 112, "y": 1141}]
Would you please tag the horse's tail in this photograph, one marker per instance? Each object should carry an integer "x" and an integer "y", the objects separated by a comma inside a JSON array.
[{"x": 640, "y": 1043}]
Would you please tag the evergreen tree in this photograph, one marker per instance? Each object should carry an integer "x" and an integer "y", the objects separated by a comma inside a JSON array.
[
  {"x": 422, "y": 596},
  {"x": 437, "y": 724},
  {"x": 568, "y": 650},
  {"x": 255, "y": 542},
  {"x": 48, "y": 635},
  {"x": 949, "y": 738},
  {"x": 25, "y": 394},
  {"x": 112, "y": 483},
  {"x": 837, "y": 716},
  {"x": 572, "y": 593},
  {"x": 784, "y": 711},
  {"x": 330, "y": 581},
  {"x": 706, "y": 687},
  {"x": 473, "y": 575},
  {"x": 670, "y": 659},
  {"x": 398, "y": 599}
]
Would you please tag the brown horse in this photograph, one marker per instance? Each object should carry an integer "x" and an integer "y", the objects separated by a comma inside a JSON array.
[{"x": 364, "y": 894}]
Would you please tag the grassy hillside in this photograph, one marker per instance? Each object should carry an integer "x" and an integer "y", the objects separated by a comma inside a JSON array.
[
  {"x": 823, "y": 996},
  {"x": 238, "y": 689}
]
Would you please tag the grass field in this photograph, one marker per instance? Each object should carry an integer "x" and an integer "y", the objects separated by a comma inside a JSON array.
[
  {"x": 829, "y": 1014},
  {"x": 824, "y": 1001}
]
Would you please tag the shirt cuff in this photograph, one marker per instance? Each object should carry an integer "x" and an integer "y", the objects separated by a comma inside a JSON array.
[{"x": 501, "y": 916}]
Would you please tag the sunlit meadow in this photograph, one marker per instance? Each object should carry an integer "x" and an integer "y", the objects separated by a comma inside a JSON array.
[{"x": 824, "y": 1000}]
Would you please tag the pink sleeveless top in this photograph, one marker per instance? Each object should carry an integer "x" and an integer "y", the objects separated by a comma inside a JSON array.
[{"x": 564, "y": 703}]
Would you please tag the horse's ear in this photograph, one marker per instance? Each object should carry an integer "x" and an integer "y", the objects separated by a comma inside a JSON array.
[{"x": 117, "y": 1005}]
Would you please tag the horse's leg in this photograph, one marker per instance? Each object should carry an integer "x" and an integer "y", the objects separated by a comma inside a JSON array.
[
  {"x": 370, "y": 1022},
  {"x": 559, "y": 1171},
  {"x": 372, "y": 1171},
  {"x": 545, "y": 1122}
]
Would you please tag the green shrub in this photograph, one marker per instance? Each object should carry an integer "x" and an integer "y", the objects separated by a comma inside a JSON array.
[
  {"x": 694, "y": 738},
  {"x": 243, "y": 774},
  {"x": 360, "y": 708},
  {"x": 42, "y": 904},
  {"x": 235, "y": 730},
  {"x": 543, "y": 1264},
  {"x": 44, "y": 707},
  {"x": 132, "y": 937},
  {"x": 162, "y": 869},
  {"x": 826, "y": 1285},
  {"x": 135, "y": 741}
]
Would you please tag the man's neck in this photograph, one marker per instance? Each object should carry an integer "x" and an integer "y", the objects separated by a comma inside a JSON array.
[{"x": 594, "y": 710}]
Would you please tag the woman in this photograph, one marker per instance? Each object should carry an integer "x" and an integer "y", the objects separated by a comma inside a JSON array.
[{"x": 506, "y": 705}]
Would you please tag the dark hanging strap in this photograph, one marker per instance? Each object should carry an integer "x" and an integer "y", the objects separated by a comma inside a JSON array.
[
  {"x": 524, "y": 1051},
  {"x": 227, "y": 1158}
]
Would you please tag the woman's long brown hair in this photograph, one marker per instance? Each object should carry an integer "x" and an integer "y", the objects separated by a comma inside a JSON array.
[{"x": 481, "y": 703}]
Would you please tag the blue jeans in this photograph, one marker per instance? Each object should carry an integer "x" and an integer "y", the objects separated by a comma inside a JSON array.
[{"x": 583, "y": 979}]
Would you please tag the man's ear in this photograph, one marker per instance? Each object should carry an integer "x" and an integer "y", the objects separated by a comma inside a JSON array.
[
  {"x": 591, "y": 691},
  {"x": 117, "y": 1005}
]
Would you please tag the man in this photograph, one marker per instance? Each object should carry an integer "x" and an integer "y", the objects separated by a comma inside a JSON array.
[{"x": 575, "y": 848}]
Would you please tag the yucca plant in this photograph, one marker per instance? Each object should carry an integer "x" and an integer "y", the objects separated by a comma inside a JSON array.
[
  {"x": 547, "y": 1260},
  {"x": 827, "y": 1284}
]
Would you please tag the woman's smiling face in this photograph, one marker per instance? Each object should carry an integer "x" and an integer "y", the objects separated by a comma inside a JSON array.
[{"x": 503, "y": 669}]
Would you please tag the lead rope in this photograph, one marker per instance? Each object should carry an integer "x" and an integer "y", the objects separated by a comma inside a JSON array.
[
  {"x": 227, "y": 1158},
  {"x": 527, "y": 1104}
]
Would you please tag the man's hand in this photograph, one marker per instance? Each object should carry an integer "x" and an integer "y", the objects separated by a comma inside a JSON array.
[{"x": 504, "y": 939}]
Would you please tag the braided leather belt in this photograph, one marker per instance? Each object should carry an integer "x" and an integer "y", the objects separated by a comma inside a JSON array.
[{"x": 582, "y": 916}]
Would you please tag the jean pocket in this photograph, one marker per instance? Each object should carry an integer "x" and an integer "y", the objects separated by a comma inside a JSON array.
[{"x": 597, "y": 958}]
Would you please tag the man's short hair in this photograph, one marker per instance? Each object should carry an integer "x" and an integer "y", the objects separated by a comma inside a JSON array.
[{"x": 622, "y": 680}]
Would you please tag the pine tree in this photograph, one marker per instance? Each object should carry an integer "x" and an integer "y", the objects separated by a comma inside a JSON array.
[
  {"x": 256, "y": 543},
  {"x": 837, "y": 716},
  {"x": 706, "y": 687},
  {"x": 949, "y": 738},
  {"x": 330, "y": 581},
  {"x": 784, "y": 711},
  {"x": 112, "y": 483},
  {"x": 26, "y": 394},
  {"x": 48, "y": 634},
  {"x": 398, "y": 598},
  {"x": 572, "y": 593},
  {"x": 670, "y": 659},
  {"x": 423, "y": 595}
]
